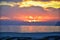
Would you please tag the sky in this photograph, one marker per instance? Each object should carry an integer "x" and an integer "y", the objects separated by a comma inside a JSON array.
[
  {"x": 43, "y": 10},
  {"x": 30, "y": 11}
]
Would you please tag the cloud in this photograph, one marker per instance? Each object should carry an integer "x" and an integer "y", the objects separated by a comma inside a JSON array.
[
  {"x": 3, "y": 18},
  {"x": 53, "y": 4},
  {"x": 11, "y": 0}
]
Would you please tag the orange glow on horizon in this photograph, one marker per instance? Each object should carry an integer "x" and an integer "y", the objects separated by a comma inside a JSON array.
[
  {"x": 31, "y": 18},
  {"x": 36, "y": 18}
]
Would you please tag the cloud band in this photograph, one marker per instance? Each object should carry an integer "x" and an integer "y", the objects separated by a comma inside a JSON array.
[{"x": 53, "y": 4}]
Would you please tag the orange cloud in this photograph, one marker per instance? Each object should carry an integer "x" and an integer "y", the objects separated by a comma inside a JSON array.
[{"x": 3, "y": 18}]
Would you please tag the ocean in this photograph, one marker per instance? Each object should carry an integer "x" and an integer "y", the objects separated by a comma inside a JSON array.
[{"x": 28, "y": 28}]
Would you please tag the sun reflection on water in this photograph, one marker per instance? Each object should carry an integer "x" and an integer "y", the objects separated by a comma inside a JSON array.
[{"x": 24, "y": 28}]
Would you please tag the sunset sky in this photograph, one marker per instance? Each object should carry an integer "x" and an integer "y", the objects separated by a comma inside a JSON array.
[{"x": 28, "y": 11}]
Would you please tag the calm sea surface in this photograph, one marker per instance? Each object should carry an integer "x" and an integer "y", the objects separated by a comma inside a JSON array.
[{"x": 24, "y": 28}]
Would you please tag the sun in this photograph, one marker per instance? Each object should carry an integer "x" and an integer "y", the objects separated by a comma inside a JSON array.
[
  {"x": 33, "y": 18},
  {"x": 30, "y": 17}
]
